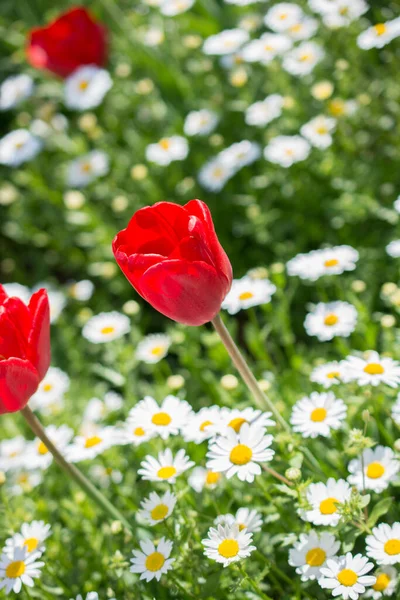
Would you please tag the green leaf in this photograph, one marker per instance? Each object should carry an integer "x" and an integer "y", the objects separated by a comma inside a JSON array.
[{"x": 379, "y": 509}]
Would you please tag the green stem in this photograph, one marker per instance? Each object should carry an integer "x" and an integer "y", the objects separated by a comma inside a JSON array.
[
  {"x": 73, "y": 472},
  {"x": 240, "y": 363},
  {"x": 253, "y": 584}
]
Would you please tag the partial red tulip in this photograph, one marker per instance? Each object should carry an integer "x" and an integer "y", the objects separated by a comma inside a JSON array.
[
  {"x": 172, "y": 257},
  {"x": 74, "y": 39},
  {"x": 24, "y": 348}
]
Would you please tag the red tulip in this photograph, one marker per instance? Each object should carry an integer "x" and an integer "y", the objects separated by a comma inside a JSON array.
[
  {"x": 72, "y": 40},
  {"x": 172, "y": 257},
  {"x": 24, "y": 348}
]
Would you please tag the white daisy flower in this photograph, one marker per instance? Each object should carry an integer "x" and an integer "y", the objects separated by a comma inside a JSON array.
[
  {"x": 153, "y": 36},
  {"x": 106, "y": 327},
  {"x": 202, "y": 425},
  {"x": 328, "y": 320},
  {"x": 156, "y": 508},
  {"x": 81, "y": 290},
  {"x": 165, "y": 420},
  {"x": 371, "y": 370},
  {"x": 328, "y": 374},
  {"x": 87, "y": 168},
  {"x": 383, "y": 545},
  {"x": 266, "y": 48},
  {"x": 92, "y": 442},
  {"x": 318, "y": 131},
  {"x": 317, "y": 414},
  {"x": 240, "y": 154},
  {"x": 18, "y": 147},
  {"x": 32, "y": 536},
  {"x": 19, "y": 291},
  {"x": 13, "y": 453},
  {"x": 171, "y": 8},
  {"x": 14, "y": 90},
  {"x": 379, "y": 35},
  {"x": 285, "y": 150},
  {"x": 261, "y": 113},
  {"x": 86, "y": 87},
  {"x": 327, "y": 261},
  {"x": 134, "y": 433},
  {"x": 201, "y": 478},
  {"x": 338, "y": 13},
  {"x": 393, "y": 248},
  {"x": 302, "y": 59},
  {"x": 153, "y": 561},
  {"x": 239, "y": 453},
  {"x": 395, "y": 416},
  {"x": 89, "y": 596},
  {"x": 37, "y": 454},
  {"x": 153, "y": 348},
  {"x": 311, "y": 552},
  {"x": 97, "y": 409},
  {"x": 324, "y": 500},
  {"x": 214, "y": 175},
  {"x": 226, "y": 544},
  {"x": 200, "y": 122},
  {"x": 303, "y": 29},
  {"x": 167, "y": 150},
  {"x": 375, "y": 470},
  {"x": 23, "y": 481},
  {"x": 247, "y": 292},
  {"x": 104, "y": 476},
  {"x": 165, "y": 467},
  {"x": 225, "y": 42},
  {"x": 386, "y": 583},
  {"x": 347, "y": 576},
  {"x": 21, "y": 568},
  {"x": 235, "y": 419},
  {"x": 282, "y": 16},
  {"x": 51, "y": 389},
  {"x": 247, "y": 519},
  {"x": 396, "y": 206}
]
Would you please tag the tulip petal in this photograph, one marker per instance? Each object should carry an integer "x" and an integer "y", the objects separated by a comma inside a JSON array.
[
  {"x": 19, "y": 380},
  {"x": 39, "y": 351},
  {"x": 3, "y": 294},
  {"x": 188, "y": 292},
  {"x": 12, "y": 342},
  {"x": 19, "y": 314}
]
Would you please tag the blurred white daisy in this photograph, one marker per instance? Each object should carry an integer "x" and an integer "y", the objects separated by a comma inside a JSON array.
[
  {"x": 106, "y": 327},
  {"x": 285, "y": 150},
  {"x": 338, "y": 13},
  {"x": 393, "y": 248},
  {"x": 201, "y": 478},
  {"x": 97, "y": 409},
  {"x": 261, "y": 113},
  {"x": 86, "y": 87},
  {"x": 328, "y": 374},
  {"x": 23, "y": 481},
  {"x": 239, "y": 453},
  {"x": 324, "y": 500},
  {"x": 153, "y": 560},
  {"x": 302, "y": 59},
  {"x": 379, "y": 35},
  {"x": 155, "y": 508},
  {"x": 371, "y": 370},
  {"x": 153, "y": 36},
  {"x": 104, "y": 476},
  {"x": 347, "y": 576},
  {"x": 235, "y": 418},
  {"x": 81, "y": 290},
  {"x": 247, "y": 292},
  {"x": 317, "y": 414},
  {"x": 282, "y": 16},
  {"x": 318, "y": 131},
  {"x": 240, "y": 154},
  {"x": 383, "y": 545},
  {"x": 19, "y": 569},
  {"x": 134, "y": 433},
  {"x": 165, "y": 467},
  {"x": 200, "y": 122},
  {"x": 38, "y": 456},
  {"x": 225, "y": 42},
  {"x": 303, "y": 29},
  {"x": 266, "y": 48},
  {"x": 87, "y": 168},
  {"x": 12, "y": 453},
  {"x": 386, "y": 583},
  {"x": 327, "y": 261},
  {"x": 395, "y": 415},
  {"x": 19, "y": 291},
  {"x": 396, "y": 205},
  {"x": 18, "y": 147},
  {"x": 226, "y": 544},
  {"x": 374, "y": 470},
  {"x": 92, "y": 442},
  {"x": 202, "y": 425},
  {"x": 328, "y": 320},
  {"x": 153, "y": 348},
  {"x": 165, "y": 419},
  {"x": 167, "y": 150},
  {"x": 311, "y": 552},
  {"x": 171, "y": 8},
  {"x": 214, "y": 175},
  {"x": 89, "y": 596},
  {"x": 32, "y": 536},
  {"x": 14, "y": 90},
  {"x": 247, "y": 519},
  {"x": 51, "y": 390}
]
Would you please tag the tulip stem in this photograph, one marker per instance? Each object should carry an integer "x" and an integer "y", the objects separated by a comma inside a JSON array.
[
  {"x": 240, "y": 363},
  {"x": 72, "y": 471}
]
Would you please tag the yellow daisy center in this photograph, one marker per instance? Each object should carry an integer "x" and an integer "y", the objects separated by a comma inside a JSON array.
[
  {"x": 241, "y": 455},
  {"x": 318, "y": 415},
  {"x": 322, "y": 131},
  {"x": 93, "y": 441},
  {"x": 333, "y": 374},
  {"x": 157, "y": 350},
  {"x": 337, "y": 107},
  {"x": 159, "y": 512},
  {"x": 246, "y": 295},
  {"x": 139, "y": 431},
  {"x": 83, "y": 85},
  {"x": 42, "y": 449},
  {"x": 228, "y": 548},
  {"x": 380, "y": 28},
  {"x": 166, "y": 472},
  {"x": 161, "y": 418},
  {"x": 204, "y": 425},
  {"x": 237, "y": 423},
  {"x": 107, "y": 330},
  {"x": 374, "y": 369},
  {"x": 392, "y": 547},
  {"x": 15, "y": 569},
  {"x": 347, "y": 577},
  {"x": 375, "y": 470},
  {"x": 242, "y": 526},
  {"x": 218, "y": 172},
  {"x": 331, "y": 320},
  {"x": 212, "y": 478},
  {"x": 31, "y": 544},
  {"x": 328, "y": 506},
  {"x": 164, "y": 143},
  {"x": 305, "y": 57},
  {"x": 331, "y": 262},
  {"x": 47, "y": 387},
  {"x": 154, "y": 561},
  {"x": 382, "y": 581},
  {"x": 315, "y": 557},
  {"x": 283, "y": 16},
  {"x": 296, "y": 28},
  {"x": 344, "y": 11},
  {"x": 86, "y": 167}
]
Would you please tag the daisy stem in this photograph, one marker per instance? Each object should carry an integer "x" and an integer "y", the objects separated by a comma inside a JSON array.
[
  {"x": 262, "y": 401},
  {"x": 253, "y": 583},
  {"x": 73, "y": 472},
  {"x": 277, "y": 475}
]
